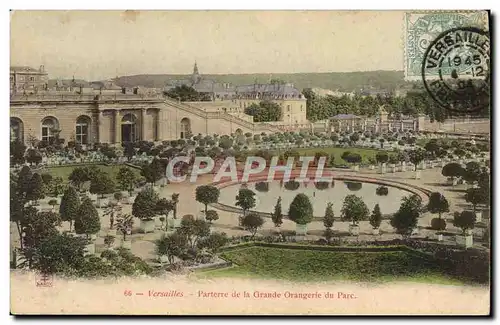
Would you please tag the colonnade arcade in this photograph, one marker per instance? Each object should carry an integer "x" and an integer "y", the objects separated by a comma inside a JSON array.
[{"x": 109, "y": 125}]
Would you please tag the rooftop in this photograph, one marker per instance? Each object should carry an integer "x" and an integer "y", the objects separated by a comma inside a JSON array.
[{"x": 26, "y": 69}]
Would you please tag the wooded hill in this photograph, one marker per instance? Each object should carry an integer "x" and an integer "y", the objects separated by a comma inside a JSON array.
[{"x": 342, "y": 81}]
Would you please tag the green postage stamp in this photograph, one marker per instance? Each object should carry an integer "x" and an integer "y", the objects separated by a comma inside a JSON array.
[{"x": 422, "y": 27}]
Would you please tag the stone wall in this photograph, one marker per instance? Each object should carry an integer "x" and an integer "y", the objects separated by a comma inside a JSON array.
[{"x": 460, "y": 126}]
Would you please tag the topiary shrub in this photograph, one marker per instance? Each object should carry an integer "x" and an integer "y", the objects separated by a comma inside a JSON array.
[
  {"x": 354, "y": 186},
  {"x": 292, "y": 185},
  {"x": 262, "y": 186},
  {"x": 438, "y": 224},
  {"x": 321, "y": 185},
  {"x": 382, "y": 190}
]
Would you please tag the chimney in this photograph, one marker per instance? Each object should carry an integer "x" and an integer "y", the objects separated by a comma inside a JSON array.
[
  {"x": 42, "y": 68},
  {"x": 136, "y": 89},
  {"x": 124, "y": 90}
]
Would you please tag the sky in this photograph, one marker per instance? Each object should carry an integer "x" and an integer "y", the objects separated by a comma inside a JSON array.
[{"x": 96, "y": 45}]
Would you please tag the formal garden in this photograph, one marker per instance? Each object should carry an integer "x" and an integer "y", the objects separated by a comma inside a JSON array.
[{"x": 103, "y": 210}]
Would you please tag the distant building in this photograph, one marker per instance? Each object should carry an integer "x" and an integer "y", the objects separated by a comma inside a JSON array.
[
  {"x": 235, "y": 98},
  {"x": 334, "y": 93},
  {"x": 73, "y": 85},
  {"x": 380, "y": 124},
  {"x": 28, "y": 79}
]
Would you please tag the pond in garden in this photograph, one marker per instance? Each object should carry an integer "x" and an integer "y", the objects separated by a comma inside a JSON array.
[{"x": 266, "y": 194}]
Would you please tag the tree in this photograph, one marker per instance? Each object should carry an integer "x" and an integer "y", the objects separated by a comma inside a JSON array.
[
  {"x": 262, "y": 186},
  {"x": 207, "y": 194},
  {"x": 33, "y": 156},
  {"x": 175, "y": 201},
  {"x": 154, "y": 171},
  {"x": 39, "y": 225},
  {"x": 23, "y": 181},
  {"x": 301, "y": 210},
  {"x": 59, "y": 252},
  {"x": 129, "y": 151},
  {"x": 108, "y": 152},
  {"x": 277, "y": 215},
  {"x": 36, "y": 189},
  {"x": 452, "y": 170},
  {"x": 292, "y": 185},
  {"x": 16, "y": 206},
  {"x": 438, "y": 204},
  {"x": 345, "y": 156},
  {"x": 328, "y": 233},
  {"x": 17, "y": 151},
  {"x": 381, "y": 157},
  {"x": 252, "y": 222},
  {"x": 118, "y": 196},
  {"x": 56, "y": 186},
  {"x": 109, "y": 241},
  {"x": 225, "y": 143},
  {"x": 124, "y": 225},
  {"x": 406, "y": 218},
  {"x": 144, "y": 206},
  {"x": 163, "y": 207},
  {"x": 245, "y": 200},
  {"x": 211, "y": 215},
  {"x": 382, "y": 190},
  {"x": 70, "y": 205},
  {"x": 102, "y": 184},
  {"x": 412, "y": 202},
  {"x": 329, "y": 217},
  {"x": 272, "y": 109},
  {"x": 214, "y": 242},
  {"x": 354, "y": 209},
  {"x": 476, "y": 196},
  {"x": 416, "y": 156},
  {"x": 464, "y": 220},
  {"x": 484, "y": 182},
  {"x": 126, "y": 179},
  {"x": 376, "y": 217},
  {"x": 78, "y": 177},
  {"x": 354, "y": 137},
  {"x": 113, "y": 209},
  {"x": 381, "y": 141},
  {"x": 432, "y": 146},
  {"x": 87, "y": 219},
  {"x": 185, "y": 93},
  {"x": 353, "y": 186},
  {"x": 53, "y": 202},
  {"x": 171, "y": 245},
  {"x": 194, "y": 230},
  {"x": 472, "y": 172},
  {"x": 265, "y": 111}
]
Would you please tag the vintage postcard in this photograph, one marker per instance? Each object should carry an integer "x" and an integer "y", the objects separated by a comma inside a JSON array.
[{"x": 250, "y": 163}]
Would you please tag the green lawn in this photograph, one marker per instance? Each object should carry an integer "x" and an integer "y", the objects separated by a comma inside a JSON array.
[
  {"x": 309, "y": 265},
  {"x": 65, "y": 171}
]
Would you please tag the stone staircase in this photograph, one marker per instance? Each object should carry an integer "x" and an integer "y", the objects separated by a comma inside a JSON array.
[{"x": 251, "y": 126}]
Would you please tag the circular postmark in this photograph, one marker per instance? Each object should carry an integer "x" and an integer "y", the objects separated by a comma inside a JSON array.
[{"x": 456, "y": 69}]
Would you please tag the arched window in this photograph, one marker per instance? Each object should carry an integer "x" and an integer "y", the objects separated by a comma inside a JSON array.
[
  {"x": 185, "y": 128},
  {"x": 82, "y": 130},
  {"x": 50, "y": 126},
  {"x": 129, "y": 128},
  {"x": 16, "y": 129}
]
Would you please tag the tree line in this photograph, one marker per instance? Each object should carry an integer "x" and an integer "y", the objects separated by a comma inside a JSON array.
[{"x": 414, "y": 103}]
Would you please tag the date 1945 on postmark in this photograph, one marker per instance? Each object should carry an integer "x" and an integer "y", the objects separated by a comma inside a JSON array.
[{"x": 456, "y": 69}]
